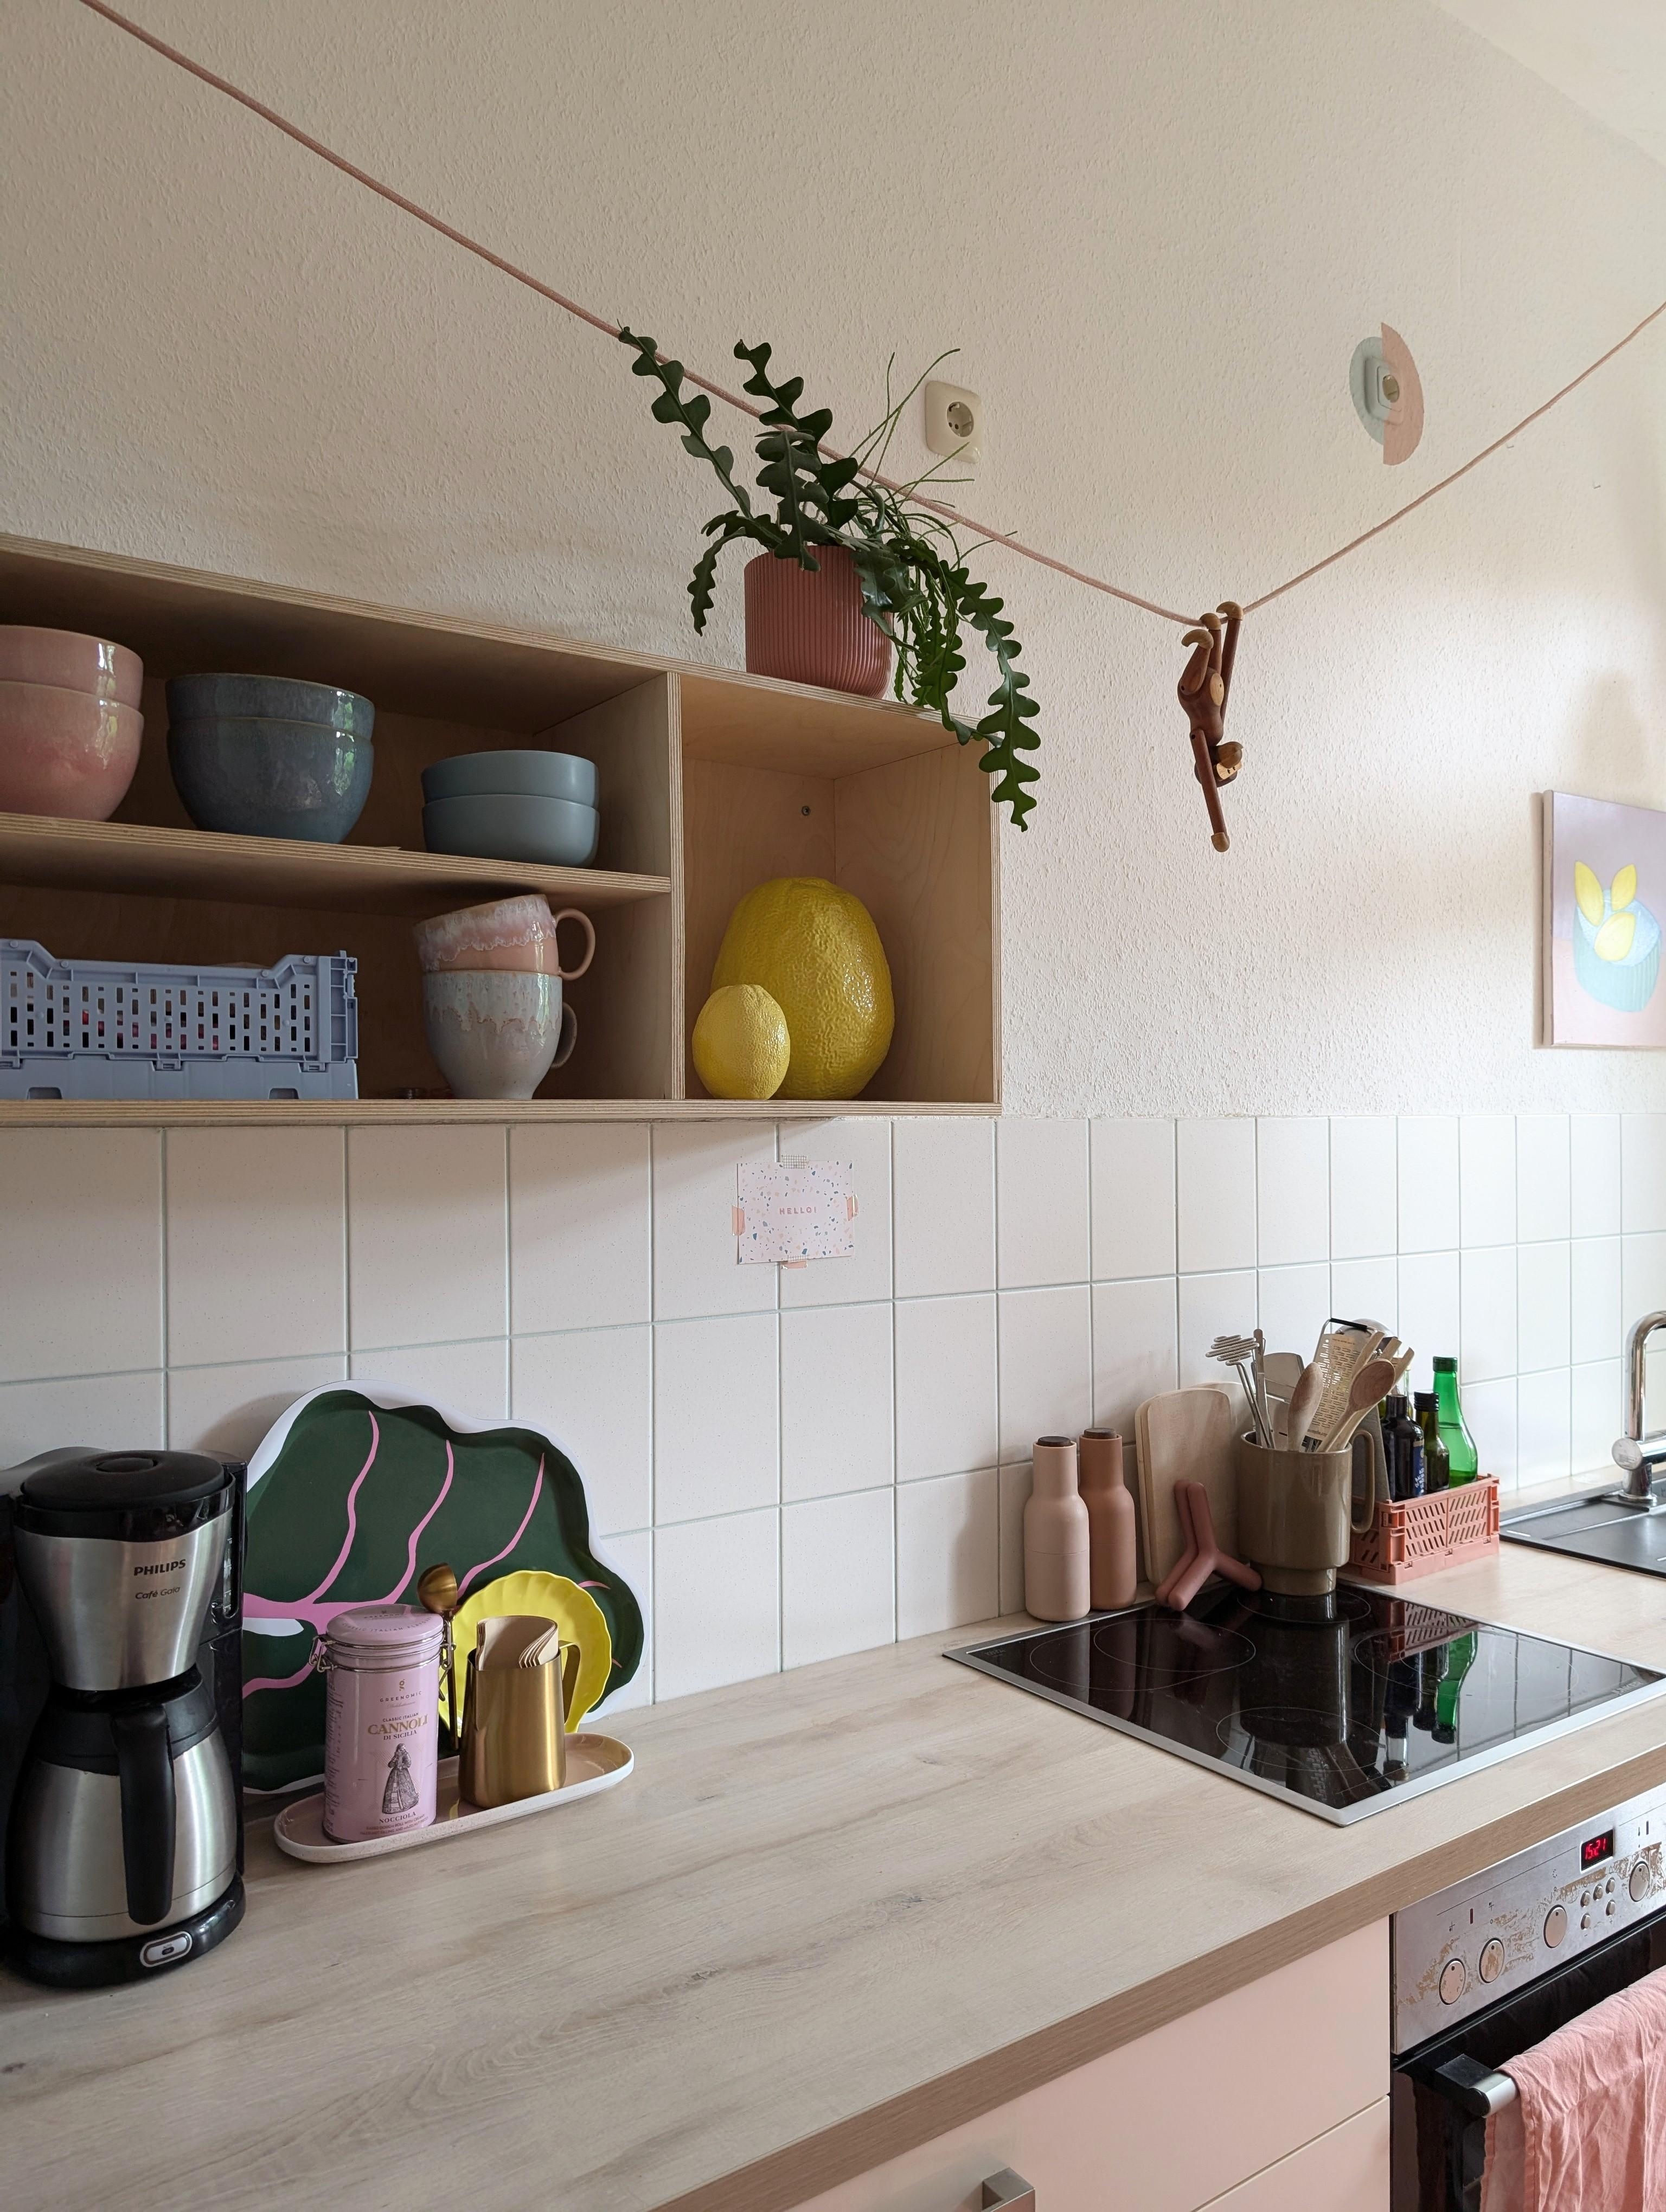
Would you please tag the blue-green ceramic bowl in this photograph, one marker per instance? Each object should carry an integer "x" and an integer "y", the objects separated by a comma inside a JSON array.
[
  {"x": 496, "y": 826},
  {"x": 268, "y": 698},
  {"x": 258, "y": 776},
  {"x": 532, "y": 771}
]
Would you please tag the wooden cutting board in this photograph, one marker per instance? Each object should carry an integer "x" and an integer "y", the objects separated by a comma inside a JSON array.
[{"x": 1184, "y": 1436}]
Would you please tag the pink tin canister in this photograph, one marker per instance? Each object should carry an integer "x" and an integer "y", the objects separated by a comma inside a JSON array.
[{"x": 381, "y": 1725}]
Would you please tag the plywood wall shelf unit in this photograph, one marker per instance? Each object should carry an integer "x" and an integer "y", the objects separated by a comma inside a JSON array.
[{"x": 711, "y": 781}]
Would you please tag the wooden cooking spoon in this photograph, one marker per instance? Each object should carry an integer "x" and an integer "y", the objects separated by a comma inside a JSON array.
[
  {"x": 1303, "y": 1404},
  {"x": 1370, "y": 1385}
]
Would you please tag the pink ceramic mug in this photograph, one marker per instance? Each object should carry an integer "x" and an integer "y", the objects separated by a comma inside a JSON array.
[{"x": 513, "y": 935}]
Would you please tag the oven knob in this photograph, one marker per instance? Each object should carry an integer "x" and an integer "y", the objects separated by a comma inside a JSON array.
[
  {"x": 1492, "y": 1959},
  {"x": 1640, "y": 1884},
  {"x": 1555, "y": 1926},
  {"x": 1454, "y": 1980}
]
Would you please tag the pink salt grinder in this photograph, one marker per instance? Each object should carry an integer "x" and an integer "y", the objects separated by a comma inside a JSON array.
[
  {"x": 381, "y": 1721},
  {"x": 1055, "y": 1535}
]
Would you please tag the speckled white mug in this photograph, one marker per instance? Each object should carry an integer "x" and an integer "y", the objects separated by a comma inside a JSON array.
[{"x": 495, "y": 1034}]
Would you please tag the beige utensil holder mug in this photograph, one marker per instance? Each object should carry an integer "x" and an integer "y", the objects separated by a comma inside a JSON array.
[{"x": 1295, "y": 1516}]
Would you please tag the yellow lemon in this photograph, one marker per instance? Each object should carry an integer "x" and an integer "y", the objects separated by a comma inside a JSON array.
[
  {"x": 814, "y": 949},
  {"x": 1589, "y": 892},
  {"x": 740, "y": 1043},
  {"x": 1614, "y": 940}
]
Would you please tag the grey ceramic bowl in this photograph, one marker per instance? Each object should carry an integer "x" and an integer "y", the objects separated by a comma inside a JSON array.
[
  {"x": 534, "y": 771},
  {"x": 514, "y": 826},
  {"x": 269, "y": 698},
  {"x": 262, "y": 777}
]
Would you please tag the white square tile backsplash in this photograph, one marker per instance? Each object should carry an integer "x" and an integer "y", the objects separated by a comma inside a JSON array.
[
  {"x": 1041, "y": 1203},
  {"x": 717, "y": 1392},
  {"x": 943, "y": 1175},
  {"x": 398, "y": 1255},
  {"x": 791, "y": 1464},
  {"x": 580, "y": 1227},
  {"x": 1363, "y": 1181},
  {"x": 1292, "y": 1189},
  {"x": 1215, "y": 1195},
  {"x": 837, "y": 1401},
  {"x": 946, "y": 1417},
  {"x": 1427, "y": 1178},
  {"x": 256, "y": 1231},
  {"x": 1131, "y": 1164},
  {"x": 81, "y": 1251}
]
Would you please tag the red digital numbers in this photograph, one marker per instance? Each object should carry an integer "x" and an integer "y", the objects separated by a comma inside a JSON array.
[{"x": 1593, "y": 1851}]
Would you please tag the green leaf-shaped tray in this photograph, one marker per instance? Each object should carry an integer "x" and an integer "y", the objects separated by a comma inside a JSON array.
[{"x": 350, "y": 1495}]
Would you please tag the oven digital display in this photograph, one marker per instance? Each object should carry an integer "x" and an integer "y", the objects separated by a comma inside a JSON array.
[{"x": 1596, "y": 1849}]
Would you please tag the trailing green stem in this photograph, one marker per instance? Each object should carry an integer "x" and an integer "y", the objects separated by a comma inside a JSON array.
[{"x": 915, "y": 582}]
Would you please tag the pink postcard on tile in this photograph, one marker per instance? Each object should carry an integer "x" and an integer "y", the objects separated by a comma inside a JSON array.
[{"x": 800, "y": 1209}]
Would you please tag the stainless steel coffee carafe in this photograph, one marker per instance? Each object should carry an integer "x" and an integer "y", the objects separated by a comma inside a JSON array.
[{"x": 121, "y": 1850}]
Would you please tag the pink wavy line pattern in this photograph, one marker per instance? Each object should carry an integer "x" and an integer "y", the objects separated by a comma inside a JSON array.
[
  {"x": 352, "y": 1516},
  {"x": 415, "y": 1534},
  {"x": 318, "y": 1613},
  {"x": 278, "y": 1681},
  {"x": 532, "y": 1507}
]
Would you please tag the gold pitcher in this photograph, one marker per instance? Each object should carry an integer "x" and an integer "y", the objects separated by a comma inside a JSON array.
[{"x": 514, "y": 1728}]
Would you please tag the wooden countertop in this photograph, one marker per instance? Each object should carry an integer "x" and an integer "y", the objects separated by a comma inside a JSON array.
[{"x": 832, "y": 1913}]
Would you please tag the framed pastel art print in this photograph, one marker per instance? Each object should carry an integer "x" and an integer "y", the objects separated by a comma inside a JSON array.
[{"x": 1604, "y": 893}]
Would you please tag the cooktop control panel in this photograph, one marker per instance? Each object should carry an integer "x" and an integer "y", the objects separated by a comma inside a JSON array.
[{"x": 1458, "y": 1951}]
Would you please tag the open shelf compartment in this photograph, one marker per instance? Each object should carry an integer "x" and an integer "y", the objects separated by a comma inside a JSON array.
[{"x": 705, "y": 775}]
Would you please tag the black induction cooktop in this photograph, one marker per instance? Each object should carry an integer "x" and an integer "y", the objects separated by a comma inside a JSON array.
[{"x": 1343, "y": 1705}]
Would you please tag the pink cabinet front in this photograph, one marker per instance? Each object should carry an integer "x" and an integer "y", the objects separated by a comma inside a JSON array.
[{"x": 1202, "y": 2112}]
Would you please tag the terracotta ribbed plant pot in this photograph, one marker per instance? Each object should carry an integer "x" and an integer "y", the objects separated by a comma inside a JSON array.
[{"x": 807, "y": 625}]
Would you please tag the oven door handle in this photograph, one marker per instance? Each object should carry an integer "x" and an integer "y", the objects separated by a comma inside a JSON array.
[{"x": 1476, "y": 2090}]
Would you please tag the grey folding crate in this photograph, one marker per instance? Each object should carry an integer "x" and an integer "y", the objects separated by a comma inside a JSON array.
[{"x": 96, "y": 1029}]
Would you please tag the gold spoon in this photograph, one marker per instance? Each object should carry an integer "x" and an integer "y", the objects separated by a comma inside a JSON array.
[{"x": 436, "y": 1592}]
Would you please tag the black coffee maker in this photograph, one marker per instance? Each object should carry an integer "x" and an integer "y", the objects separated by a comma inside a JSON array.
[{"x": 120, "y": 1711}]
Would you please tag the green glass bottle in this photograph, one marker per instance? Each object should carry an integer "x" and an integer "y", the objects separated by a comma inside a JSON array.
[
  {"x": 1462, "y": 1458},
  {"x": 1437, "y": 1462}
]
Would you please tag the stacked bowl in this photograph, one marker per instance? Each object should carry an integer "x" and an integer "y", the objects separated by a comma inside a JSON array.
[
  {"x": 491, "y": 994},
  {"x": 526, "y": 806},
  {"x": 69, "y": 722},
  {"x": 270, "y": 755}
]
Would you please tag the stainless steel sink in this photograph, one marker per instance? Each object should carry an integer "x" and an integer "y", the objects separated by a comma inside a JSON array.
[{"x": 1598, "y": 1526}]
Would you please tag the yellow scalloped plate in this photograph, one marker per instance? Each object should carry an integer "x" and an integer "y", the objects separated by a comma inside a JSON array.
[{"x": 548, "y": 1597}]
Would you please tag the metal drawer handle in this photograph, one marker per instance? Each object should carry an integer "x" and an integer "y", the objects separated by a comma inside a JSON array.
[{"x": 1007, "y": 2191}]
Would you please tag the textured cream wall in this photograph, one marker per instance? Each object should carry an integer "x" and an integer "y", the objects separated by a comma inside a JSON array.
[{"x": 1155, "y": 231}]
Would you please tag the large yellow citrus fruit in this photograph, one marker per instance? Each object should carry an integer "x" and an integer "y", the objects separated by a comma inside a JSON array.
[
  {"x": 740, "y": 1043},
  {"x": 814, "y": 949}
]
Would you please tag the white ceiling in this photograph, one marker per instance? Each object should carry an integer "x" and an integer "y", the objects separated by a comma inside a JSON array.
[{"x": 1607, "y": 55}]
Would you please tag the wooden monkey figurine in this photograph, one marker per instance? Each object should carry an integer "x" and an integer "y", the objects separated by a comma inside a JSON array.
[{"x": 1205, "y": 683}]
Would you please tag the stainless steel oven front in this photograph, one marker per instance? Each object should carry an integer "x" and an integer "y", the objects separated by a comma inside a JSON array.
[{"x": 1494, "y": 1964}]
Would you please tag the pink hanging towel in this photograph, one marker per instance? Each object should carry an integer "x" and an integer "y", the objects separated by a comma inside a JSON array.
[{"x": 1587, "y": 2129}]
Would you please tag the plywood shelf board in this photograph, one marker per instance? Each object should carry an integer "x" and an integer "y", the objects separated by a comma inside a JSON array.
[
  {"x": 413, "y": 661},
  {"x": 156, "y": 862},
  {"x": 188, "y": 1113}
]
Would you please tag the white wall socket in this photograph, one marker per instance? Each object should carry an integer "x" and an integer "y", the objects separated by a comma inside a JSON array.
[{"x": 954, "y": 422}]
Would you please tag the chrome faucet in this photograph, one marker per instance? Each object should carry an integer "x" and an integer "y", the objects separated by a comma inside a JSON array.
[{"x": 1638, "y": 1454}]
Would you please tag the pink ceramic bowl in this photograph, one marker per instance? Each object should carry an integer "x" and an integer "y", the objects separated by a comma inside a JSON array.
[
  {"x": 71, "y": 661},
  {"x": 62, "y": 752}
]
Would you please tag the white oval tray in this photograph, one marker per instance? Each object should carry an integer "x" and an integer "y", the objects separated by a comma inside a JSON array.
[{"x": 593, "y": 1763}]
